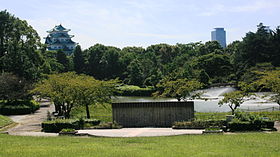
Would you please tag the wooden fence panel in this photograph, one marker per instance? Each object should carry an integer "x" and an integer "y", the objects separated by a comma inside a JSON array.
[{"x": 152, "y": 114}]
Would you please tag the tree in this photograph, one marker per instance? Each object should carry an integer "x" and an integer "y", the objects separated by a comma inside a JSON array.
[
  {"x": 13, "y": 87},
  {"x": 69, "y": 89},
  {"x": 135, "y": 73},
  {"x": 236, "y": 98},
  {"x": 92, "y": 92},
  {"x": 210, "y": 47},
  {"x": 255, "y": 47},
  {"x": 79, "y": 60},
  {"x": 270, "y": 80},
  {"x": 104, "y": 62},
  {"x": 216, "y": 66},
  {"x": 18, "y": 48},
  {"x": 180, "y": 89},
  {"x": 61, "y": 58},
  {"x": 233, "y": 100}
]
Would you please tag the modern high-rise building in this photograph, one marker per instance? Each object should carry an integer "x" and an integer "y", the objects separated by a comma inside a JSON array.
[
  {"x": 59, "y": 39},
  {"x": 219, "y": 34}
]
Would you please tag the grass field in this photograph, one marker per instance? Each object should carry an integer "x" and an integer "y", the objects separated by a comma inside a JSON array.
[
  {"x": 234, "y": 145},
  {"x": 4, "y": 121}
]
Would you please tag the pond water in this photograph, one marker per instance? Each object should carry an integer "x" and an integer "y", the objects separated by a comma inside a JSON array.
[{"x": 213, "y": 95}]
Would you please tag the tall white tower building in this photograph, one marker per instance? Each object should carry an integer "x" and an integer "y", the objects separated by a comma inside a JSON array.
[{"x": 219, "y": 34}]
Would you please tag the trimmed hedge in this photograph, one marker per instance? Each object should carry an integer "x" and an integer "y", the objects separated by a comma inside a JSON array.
[
  {"x": 199, "y": 124},
  {"x": 250, "y": 126},
  {"x": 108, "y": 125},
  {"x": 18, "y": 107},
  {"x": 129, "y": 90},
  {"x": 59, "y": 124},
  {"x": 245, "y": 121}
]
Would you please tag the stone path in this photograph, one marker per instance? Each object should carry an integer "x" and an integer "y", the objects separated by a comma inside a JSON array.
[
  {"x": 139, "y": 132},
  {"x": 30, "y": 125},
  {"x": 277, "y": 125}
]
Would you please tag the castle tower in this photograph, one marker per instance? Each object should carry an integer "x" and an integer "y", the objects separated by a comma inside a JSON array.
[{"x": 59, "y": 39}]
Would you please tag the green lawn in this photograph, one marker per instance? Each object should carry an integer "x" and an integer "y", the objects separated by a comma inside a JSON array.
[
  {"x": 101, "y": 112},
  {"x": 4, "y": 121},
  {"x": 235, "y": 145}
]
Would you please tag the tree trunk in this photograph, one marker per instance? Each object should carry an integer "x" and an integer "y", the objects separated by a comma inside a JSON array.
[
  {"x": 87, "y": 109},
  {"x": 232, "y": 109}
]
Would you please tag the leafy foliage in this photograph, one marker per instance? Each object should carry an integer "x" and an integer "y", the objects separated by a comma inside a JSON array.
[
  {"x": 70, "y": 89},
  {"x": 233, "y": 99},
  {"x": 13, "y": 87},
  {"x": 79, "y": 60},
  {"x": 180, "y": 89},
  {"x": 18, "y": 107},
  {"x": 270, "y": 80},
  {"x": 18, "y": 48}
]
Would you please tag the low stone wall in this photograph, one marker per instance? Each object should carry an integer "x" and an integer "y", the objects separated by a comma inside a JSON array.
[{"x": 152, "y": 114}]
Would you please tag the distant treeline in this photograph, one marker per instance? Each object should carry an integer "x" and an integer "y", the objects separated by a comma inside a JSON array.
[{"x": 21, "y": 53}]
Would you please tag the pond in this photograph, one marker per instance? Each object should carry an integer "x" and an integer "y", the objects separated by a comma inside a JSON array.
[{"x": 213, "y": 95}]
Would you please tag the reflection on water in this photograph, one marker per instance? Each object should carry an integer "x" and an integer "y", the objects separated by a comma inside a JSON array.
[{"x": 211, "y": 105}]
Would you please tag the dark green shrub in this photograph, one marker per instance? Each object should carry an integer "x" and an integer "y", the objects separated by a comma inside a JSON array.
[
  {"x": 92, "y": 121},
  {"x": 108, "y": 125},
  {"x": 87, "y": 123},
  {"x": 268, "y": 124},
  {"x": 250, "y": 126},
  {"x": 59, "y": 124},
  {"x": 67, "y": 130},
  {"x": 18, "y": 107},
  {"x": 245, "y": 121},
  {"x": 243, "y": 126},
  {"x": 246, "y": 116},
  {"x": 198, "y": 124}
]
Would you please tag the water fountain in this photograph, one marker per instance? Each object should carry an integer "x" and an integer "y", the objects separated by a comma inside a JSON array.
[{"x": 210, "y": 100}]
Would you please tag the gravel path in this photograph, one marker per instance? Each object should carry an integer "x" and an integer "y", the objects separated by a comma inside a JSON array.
[{"x": 30, "y": 125}]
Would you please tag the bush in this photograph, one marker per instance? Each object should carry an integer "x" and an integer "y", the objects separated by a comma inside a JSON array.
[
  {"x": 245, "y": 121},
  {"x": 108, "y": 125},
  {"x": 59, "y": 124},
  {"x": 243, "y": 126},
  {"x": 92, "y": 121},
  {"x": 67, "y": 130},
  {"x": 18, "y": 107},
  {"x": 198, "y": 124},
  {"x": 129, "y": 90},
  {"x": 87, "y": 123},
  {"x": 250, "y": 126}
]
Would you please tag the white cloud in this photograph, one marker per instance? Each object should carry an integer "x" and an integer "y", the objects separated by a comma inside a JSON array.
[{"x": 251, "y": 6}]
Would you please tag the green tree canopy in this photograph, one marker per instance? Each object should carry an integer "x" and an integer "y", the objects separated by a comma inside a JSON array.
[
  {"x": 18, "y": 48},
  {"x": 181, "y": 89},
  {"x": 69, "y": 89},
  {"x": 79, "y": 60},
  {"x": 270, "y": 80},
  {"x": 13, "y": 87}
]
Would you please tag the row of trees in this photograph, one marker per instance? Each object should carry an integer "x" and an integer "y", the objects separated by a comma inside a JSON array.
[
  {"x": 22, "y": 54},
  {"x": 191, "y": 66}
]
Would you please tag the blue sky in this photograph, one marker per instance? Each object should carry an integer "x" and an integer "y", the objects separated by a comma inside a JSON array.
[{"x": 145, "y": 22}]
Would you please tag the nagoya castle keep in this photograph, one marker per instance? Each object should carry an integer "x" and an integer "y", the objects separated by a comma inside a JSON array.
[{"x": 59, "y": 39}]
